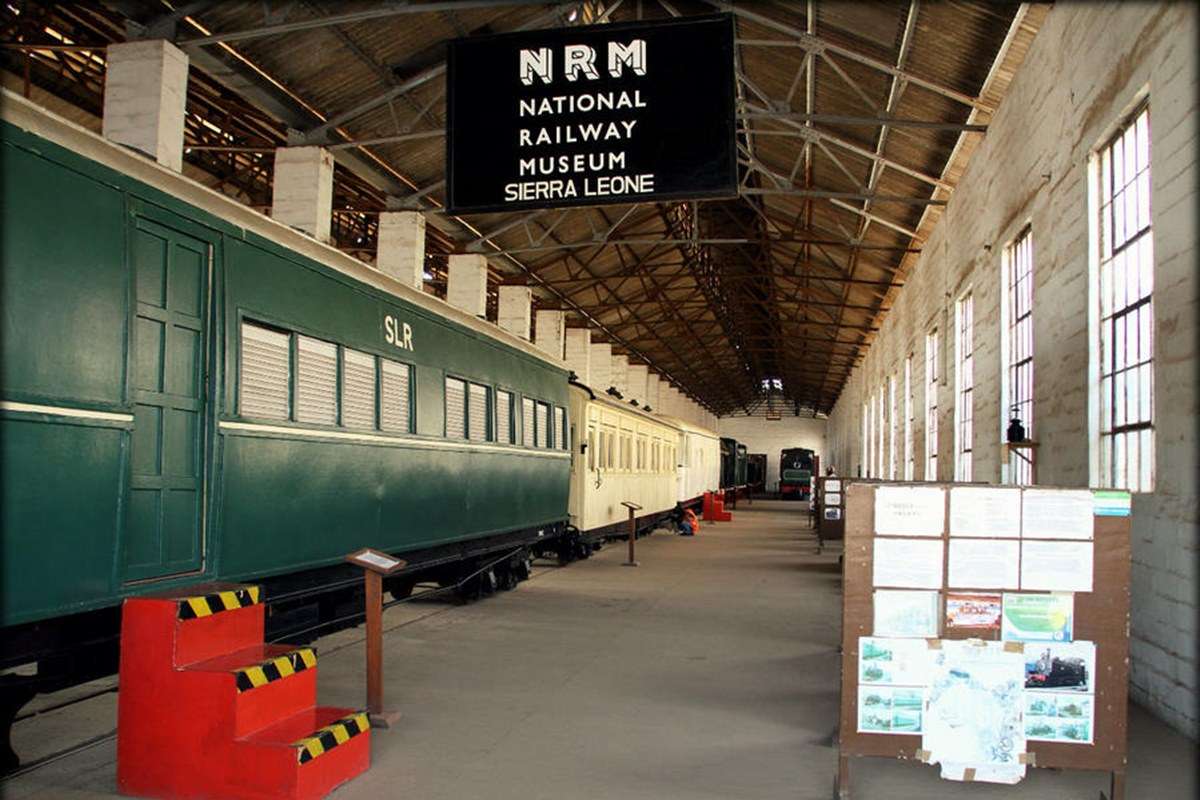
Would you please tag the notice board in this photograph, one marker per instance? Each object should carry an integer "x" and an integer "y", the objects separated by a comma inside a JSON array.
[
  {"x": 591, "y": 115},
  {"x": 1100, "y": 616}
]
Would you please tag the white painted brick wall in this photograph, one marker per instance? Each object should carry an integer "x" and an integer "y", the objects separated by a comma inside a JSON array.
[
  {"x": 601, "y": 367},
  {"x": 620, "y": 375},
  {"x": 636, "y": 379},
  {"x": 1083, "y": 74}
]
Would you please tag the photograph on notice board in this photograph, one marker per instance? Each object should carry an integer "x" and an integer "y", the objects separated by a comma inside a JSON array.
[
  {"x": 1067, "y": 667},
  {"x": 887, "y": 709},
  {"x": 833, "y": 514},
  {"x": 975, "y": 610},
  {"x": 895, "y": 662},
  {"x": 1054, "y": 717}
]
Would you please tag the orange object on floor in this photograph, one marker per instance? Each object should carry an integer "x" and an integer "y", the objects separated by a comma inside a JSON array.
[
  {"x": 206, "y": 710},
  {"x": 689, "y": 519}
]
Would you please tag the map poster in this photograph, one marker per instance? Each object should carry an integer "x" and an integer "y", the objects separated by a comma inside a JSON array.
[{"x": 973, "y": 711}]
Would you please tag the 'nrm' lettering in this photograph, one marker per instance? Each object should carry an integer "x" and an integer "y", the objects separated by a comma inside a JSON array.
[{"x": 580, "y": 59}]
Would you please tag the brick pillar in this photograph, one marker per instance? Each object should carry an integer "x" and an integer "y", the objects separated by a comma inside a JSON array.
[
  {"x": 401, "y": 251},
  {"x": 466, "y": 284},
  {"x": 637, "y": 382},
  {"x": 601, "y": 367},
  {"x": 549, "y": 332},
  {"x": 302, "y": 192},
  {"x": 145, "y": 92},
  {"x": 514, "y": 310},
  {"x": 620, "y": 375},
  {"x": 579, "y": 354},
  {"x": 653, "y": 386}
]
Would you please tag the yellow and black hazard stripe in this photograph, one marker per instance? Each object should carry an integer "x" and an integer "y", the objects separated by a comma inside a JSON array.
[
  {"x": 209, "y": 604},
  {"x": 275, "y": 669},
  {"x": 329, "y": 737}
]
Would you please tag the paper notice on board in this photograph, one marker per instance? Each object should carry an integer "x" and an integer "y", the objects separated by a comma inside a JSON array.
[
  {"x": 984, "y": 563},
  {"x": 901, "y": 612},
  {"x": 908, "y": 563},
  {"x": 984, "y": 511},
  {"x": 1061, "y": 514},
  {"x": 1038, "y": 617},
  {"x": 833, "y": 486},
  {"x": 1056, "y": 566},
  {"x": 910, "y": 511}
]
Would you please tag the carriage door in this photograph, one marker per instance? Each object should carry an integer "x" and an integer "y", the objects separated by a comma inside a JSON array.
[{"x": 164, "y": 532}]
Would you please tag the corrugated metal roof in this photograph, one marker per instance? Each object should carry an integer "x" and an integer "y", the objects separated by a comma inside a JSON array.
[{"x": 798, "y": 299}]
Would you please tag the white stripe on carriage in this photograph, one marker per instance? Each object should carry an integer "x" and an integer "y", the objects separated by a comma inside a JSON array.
[
  {"x": 64, "y": 411},
  {"x": 408, "y": 441}
]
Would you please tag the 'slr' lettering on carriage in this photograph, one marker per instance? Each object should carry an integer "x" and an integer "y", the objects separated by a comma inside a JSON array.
[
  {"x": 397, "y": 333},
  {"x": 580, "y": 59}
]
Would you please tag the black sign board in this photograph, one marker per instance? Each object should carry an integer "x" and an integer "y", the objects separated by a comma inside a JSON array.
[{"x": 619, "y": 113}]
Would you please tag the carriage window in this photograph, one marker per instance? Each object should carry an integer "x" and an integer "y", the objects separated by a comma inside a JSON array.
[
  {"x": 316, "y": 381},
  {"x": 477, "y": 412},
  {"x": 542, "y": 429},
  {"x": 560, "y": 426},
  {"x": 265, "y": 368},
  {"x": 394, "y": 403},
  {"x": 591, "y": 449},
  {"x": 456, "y": 409},
  {"x": 358, "y": 390},
  {"x": 504, "y": 420},
  {"x": 527, "y": 422}
]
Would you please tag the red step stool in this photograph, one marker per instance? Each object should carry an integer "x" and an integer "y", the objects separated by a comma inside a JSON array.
[
  {"x": 719, "y": 513},
  {"x": 206, "y": 710}
]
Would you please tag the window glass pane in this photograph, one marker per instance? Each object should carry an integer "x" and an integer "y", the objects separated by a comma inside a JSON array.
[
  {"x": 477, "y": 413},
  {"x": 504, "y": 432},
  {"x": 560, "y": 427},
  {"x": 358, "y": 390},
  {"x": 591, "y": 448},
  {"x": 456, "y": 405},
  {"x": 316, "y": 381},
  {"x": 394, "y": 411},
  {"x": 527, "y": 423},
  {"x": 542, "y": 429},
  {"x": 264, "y": 363}
]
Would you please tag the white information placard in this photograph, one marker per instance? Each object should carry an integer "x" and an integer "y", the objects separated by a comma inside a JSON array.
[
  {"x": 984, "y": 563},
  {"x": 908, "y": 563},
  {"x": 1061, "y": 514},
  {"x": 833, "y": 486},
  {"x": 833, "y": 499},
  {"x": 910, "y": 511},
  {"x": 985, "y": 511},
  {"x": 1056, "y": 566}
]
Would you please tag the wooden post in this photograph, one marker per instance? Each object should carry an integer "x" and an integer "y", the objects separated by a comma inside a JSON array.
[
  {"x": 375, "y": 565},
  {"x": 633, "y": 509}
]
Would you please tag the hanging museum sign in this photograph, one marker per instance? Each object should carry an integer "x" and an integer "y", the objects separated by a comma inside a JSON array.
[{"x": 591, "y": 115}]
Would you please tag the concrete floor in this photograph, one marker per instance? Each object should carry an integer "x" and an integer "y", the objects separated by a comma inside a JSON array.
[{"x": 710, "y": 671}]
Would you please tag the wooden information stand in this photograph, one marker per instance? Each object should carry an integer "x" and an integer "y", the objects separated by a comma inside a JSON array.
[
  {"x": 831, "y": 509},
  {"x": 1100, "y": 616}
]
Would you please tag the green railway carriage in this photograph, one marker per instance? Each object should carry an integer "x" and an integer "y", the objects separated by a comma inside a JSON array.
[{"x": 194, "y": 392}]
